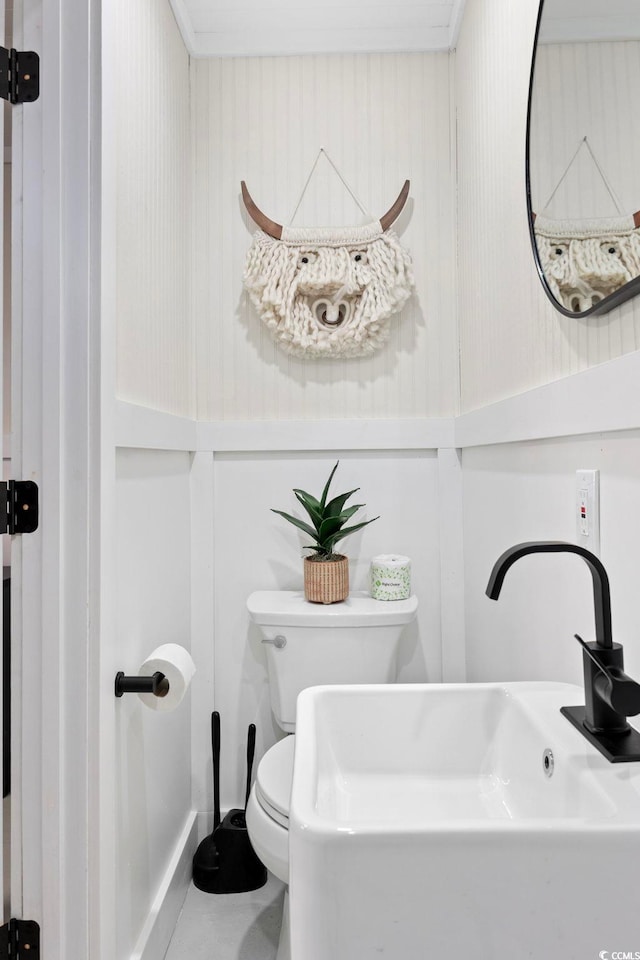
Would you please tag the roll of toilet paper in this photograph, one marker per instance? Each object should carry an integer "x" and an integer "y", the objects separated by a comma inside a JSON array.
[
  {"x": 176, "y": 664},
  {"x": 390, "y": 577}
]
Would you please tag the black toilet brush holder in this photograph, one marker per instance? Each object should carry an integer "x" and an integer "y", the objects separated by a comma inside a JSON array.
[
  {"x": 225, "y": 861},
  {"x": 238, "y": 868}
]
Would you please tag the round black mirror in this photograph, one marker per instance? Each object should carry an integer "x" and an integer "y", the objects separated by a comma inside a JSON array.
[{"x": 583, "y": 153}]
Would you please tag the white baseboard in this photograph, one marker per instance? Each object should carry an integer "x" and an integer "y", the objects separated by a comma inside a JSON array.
[
  {"x": 165, "y": 910},
  {"x": 204, "y": 824}
]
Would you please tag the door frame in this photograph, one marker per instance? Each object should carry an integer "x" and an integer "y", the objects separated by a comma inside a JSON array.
[
  {"x": 57, "y": 400},
  {"x": 3, "y": 211}
]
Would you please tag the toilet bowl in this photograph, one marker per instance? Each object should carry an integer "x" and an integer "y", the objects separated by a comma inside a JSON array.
[
  {"x": 268, "y": 808},
  {"x": 268, "y": 822},
  {"x": 309, "y": 644}
]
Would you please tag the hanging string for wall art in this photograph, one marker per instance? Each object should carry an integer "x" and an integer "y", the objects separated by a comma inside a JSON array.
[
  {"x": 586, "y": 260},
  {"x": 328, "y": 291}
]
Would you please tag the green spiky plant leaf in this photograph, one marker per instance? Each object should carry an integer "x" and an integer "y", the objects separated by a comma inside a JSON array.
[{"x": 328, "y": 519}]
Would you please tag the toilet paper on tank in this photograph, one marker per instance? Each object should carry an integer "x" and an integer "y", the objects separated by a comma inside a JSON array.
[
  {"x": 176, "y": 664},
  {"x": 390, "y": 577}
]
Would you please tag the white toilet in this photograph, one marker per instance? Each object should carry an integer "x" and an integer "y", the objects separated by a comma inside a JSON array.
[{"x": 307, "y": 644}]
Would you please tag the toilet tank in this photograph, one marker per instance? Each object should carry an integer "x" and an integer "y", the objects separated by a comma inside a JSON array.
[{"x": 355, "y": 641}]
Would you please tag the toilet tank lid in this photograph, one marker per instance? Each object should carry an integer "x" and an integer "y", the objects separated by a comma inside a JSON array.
[{"x": 282, "y": 607}]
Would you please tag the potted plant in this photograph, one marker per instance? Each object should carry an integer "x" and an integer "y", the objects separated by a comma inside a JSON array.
[{"x": 326, "y": 574}]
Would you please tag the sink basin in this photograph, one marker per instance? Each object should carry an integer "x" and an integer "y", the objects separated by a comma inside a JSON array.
[{"x": 460, "y": 820}]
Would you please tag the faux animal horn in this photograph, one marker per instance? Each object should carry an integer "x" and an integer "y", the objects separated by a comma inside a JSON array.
[
  {"x": 394, "y": 212},
  {"x": 270, "y": 227},
  {"x": 274, "y": 229}
]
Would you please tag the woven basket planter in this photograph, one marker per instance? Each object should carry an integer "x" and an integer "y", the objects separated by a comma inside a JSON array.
[{"x": 326, "y": 581}]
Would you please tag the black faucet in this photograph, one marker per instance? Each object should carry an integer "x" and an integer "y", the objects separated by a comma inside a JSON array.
[{"x": 610, "y": 695}]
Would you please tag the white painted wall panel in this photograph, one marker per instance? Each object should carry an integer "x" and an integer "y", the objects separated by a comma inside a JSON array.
[
  {"x": 382, "y": 118},
  {"x": 155, "y": 343},
  {"x": 153, "y": 753},
  {"x": 526, "y": 491},
  {"x": 511, "y": 338},
  {"x": 257, "y": 550}
]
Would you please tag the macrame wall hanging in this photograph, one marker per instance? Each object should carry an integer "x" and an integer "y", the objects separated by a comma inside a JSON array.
[
  {"x": 586, "y": 260},
  {"x": 328, "y": 291}
]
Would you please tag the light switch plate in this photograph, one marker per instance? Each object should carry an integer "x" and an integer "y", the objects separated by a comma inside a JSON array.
[{"x": 588, "y": 509}]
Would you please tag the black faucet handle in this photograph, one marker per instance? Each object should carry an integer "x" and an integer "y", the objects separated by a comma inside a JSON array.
[
  {"x": 615, "y": 687},
  {"x": 622, "y": 693},
  {"x": 598, "y": 662}
]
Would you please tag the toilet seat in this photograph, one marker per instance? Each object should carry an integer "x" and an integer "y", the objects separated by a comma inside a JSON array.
[
  {"x": 268, "y": 808},
  {"x": 273, "y": 780}
]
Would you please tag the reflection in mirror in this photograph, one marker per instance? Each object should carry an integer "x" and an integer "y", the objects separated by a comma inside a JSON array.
[{"x": 583, "y": 156}]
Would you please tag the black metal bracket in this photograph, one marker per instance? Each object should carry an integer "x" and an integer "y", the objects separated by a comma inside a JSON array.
[
  {"x": 19, "y": 75},
  {"x": 18, "y": 506},
  {"x": 158, "y": 685},
  {"x": 20, "y": 940}
]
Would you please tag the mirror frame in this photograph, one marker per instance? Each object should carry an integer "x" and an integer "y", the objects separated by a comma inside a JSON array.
[{"x": 630, "y": 289}]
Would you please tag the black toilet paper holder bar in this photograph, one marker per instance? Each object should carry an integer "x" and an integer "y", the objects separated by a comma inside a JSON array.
[{"x": 158, "y": 684}]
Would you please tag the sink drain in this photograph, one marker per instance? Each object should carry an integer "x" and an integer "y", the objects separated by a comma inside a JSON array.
[{"x": 548, "y": 762}]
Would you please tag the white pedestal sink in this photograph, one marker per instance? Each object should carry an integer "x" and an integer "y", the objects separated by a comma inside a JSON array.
[{"x": 458, "y": 821}]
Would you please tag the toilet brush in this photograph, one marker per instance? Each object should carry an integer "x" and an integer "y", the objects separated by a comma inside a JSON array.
[
  {"x": 228, "y": 863},
  {"x": 206, "y": 858},
  {"x": 251, "y": 749}
]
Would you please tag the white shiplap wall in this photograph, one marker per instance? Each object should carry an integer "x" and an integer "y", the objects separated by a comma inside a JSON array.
[
  {"x": 511, "y": 337},
  {"x": 500, "y": 300},
  {"x": 155, "y": 342},
  {"x": 382, "y": 118}
]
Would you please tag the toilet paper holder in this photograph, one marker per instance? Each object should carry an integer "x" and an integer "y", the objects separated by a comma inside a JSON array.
[{"x": 157, "y": 684}]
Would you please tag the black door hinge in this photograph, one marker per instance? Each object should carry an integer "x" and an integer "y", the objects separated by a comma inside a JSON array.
[
  {"x": 19, "y": 75},
  {"x": 18, "y": 506},
  {"x": 20, "y": 940}
]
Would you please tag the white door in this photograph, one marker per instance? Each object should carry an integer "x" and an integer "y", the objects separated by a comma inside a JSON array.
[{"x": 55, "y": 372}]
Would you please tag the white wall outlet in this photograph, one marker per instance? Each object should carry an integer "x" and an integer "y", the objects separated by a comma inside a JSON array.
[{"x": 588, "y": 509}]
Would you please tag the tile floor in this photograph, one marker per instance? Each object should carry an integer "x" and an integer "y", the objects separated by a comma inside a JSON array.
[{"x": 234, "y": 926}]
